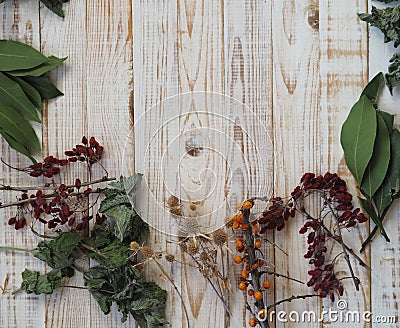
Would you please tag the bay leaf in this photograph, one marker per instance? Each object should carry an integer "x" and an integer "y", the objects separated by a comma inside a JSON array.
[
  {"x": 43, "y": 85},
  {"x": 16, "y": 55},
  {"x": 374, "y": 87},
  {"x": 12, "y": 123},
  {"x": 12, "y": 95},
  {"x": 49, "y": 64},
  {"x": 358, "y": 136},
  {"x": 378, "y": 165},
  {"x": 30, "y": 91}
]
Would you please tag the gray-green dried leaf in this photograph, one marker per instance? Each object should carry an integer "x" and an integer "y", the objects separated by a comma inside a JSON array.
[
  {"x": 34, "y": 282},
  {"x": 387, "y": 20},
  {"x": 393, "y": 75}
]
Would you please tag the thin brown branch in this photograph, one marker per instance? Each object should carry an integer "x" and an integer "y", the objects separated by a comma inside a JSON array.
[
  {"x": 276, "y": 274},
  {"x": 291, "y": 298},
  {"x": 24, "y": 201}
]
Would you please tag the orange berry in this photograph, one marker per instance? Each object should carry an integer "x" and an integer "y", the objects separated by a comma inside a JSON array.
[
  {"x": 245, "y": 274},
  {"x": 250, "y": 292},
  {"x": 240, "y": 217},
  {"x": 235, "y": 225},
  {"x": 247, "y": 205},
  {"x": 255, "y": 266},
  {"x": 253, "y": 322},
  {"x": 247, "y": 267},
  {"x": 242, "y": 286},
  {"x": 256, "y": 229},
  {"x": 246, "y": 260},
  {"x": 266, "y": 284},
  {"x": 237, "y": 259},
  {"x": 258, "y": 295},
  {"x": 239, "y": 206},
  {"x": 245, "y": 226},
  {"x": 257, "y": 243},
  {"x": 240, "y": 249},
  {"x": 261, "y": 262},
  {"x": 239, "y": 242}
]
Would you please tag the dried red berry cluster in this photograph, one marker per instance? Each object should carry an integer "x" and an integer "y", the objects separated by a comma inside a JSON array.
[
  {"x": 56, "y": 208},
  {"x": 323, "y": 278},
  {"x": 338, "y": 201},
  {"x": 62, "y": 204},
  {"x": 48, "y": 168},
  {"x": 89, "y": 151},
  {"x": 335, "y": 194},
  {"x": 276, "y": 215}
]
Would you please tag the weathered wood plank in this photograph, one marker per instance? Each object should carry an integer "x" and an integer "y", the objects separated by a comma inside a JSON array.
[
  {"x": 248, "y": 71},
  {"x": 20, "y": 22},
  {"x": 109, "y": 93},
  {"x": 155, "y": 53},
  {"x": 64, "y": 124},
  {"x": 296, "y": 133},
  {"x": 344, "y": 69}
]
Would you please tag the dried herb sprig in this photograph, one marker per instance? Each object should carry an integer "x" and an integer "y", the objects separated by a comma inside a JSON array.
[
  {"x": 337, "y": 206},
  {"x": 54, "y": 5},
  {"x": 67, "y": 209}
]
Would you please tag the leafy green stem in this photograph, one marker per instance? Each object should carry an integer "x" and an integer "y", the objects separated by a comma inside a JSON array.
[{"x": 9, "y": 248}]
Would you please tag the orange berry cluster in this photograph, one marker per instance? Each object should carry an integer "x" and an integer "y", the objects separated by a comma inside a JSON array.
[{"x": 239, "y": 222}]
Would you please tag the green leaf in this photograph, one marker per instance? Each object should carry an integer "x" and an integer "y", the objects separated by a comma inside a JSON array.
[
  {"x": 60, "y": 252},
  {"x": 388, "y": 118},
  {"x": 12, "y": 124},
  {"x": 374, "y": 88},
  {"x": 55, "y": 6},
  {"x": 34, "y": 282},
  {"x": 17, "y": 146},
  {"x": 109, "y": 202},
  {"x": 123, "y": 216},
  {"x": 383, "y": 198},
  {"x": 394, "y": 167},
  {"x": 30, "y": 91},
  {"x": 127, "y": 184},
  {"x": 12, "y": 95},
  {"x": 378, "y": 165},
  {"x": 387, "y": 20},
  {"x": 145, "y": 301},
  {"x": 393, "y": 75},
  {"x": 358, "y": 136},
  {"x": 101, "y": 236},
  {"x": 369, "y": 209},
  {"x": 16, "y": 55},
  {"x": 115, "y": 254},
  {"x": 49, "y": 64},
  {"x": 42, "y": 84}
]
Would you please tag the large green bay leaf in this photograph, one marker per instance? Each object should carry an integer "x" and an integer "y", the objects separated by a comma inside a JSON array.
[
  {"x": 49, "y": 64},
  {"x": 393, "y": 174},
  {"x": 42, "y": 84},
  {"x": 30, "y": 91},
  {"x": 16, "y": 55},
  {"x": 12, "y": 95},
  {"x": 14, "y": 125},
  {"x": 378, "y": 165},
  {"x": 358, "y": 137},
  {"x": 374, "y": 87}
]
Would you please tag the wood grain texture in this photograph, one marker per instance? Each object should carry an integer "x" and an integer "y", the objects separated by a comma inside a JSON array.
[
  {"x": 296, "y": 111},
  {"x": 344, "y": 62},
  {"x": 385, "y": 263},
  {"x": 290, "y": 72},
  {"x": 20, "y": 22}
]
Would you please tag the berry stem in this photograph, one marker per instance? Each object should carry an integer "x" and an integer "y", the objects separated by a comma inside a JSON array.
[
  {"x": 255, "y": 274},
  {"x": 276, "y": 274},
  {"x": 340, "y": 240},
  {"x": 291, "y": 298},
  {"x": 24, "y": 201}
]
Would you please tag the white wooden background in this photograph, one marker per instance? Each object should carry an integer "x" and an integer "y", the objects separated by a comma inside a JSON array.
[{"x": 299, "y": 65}]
